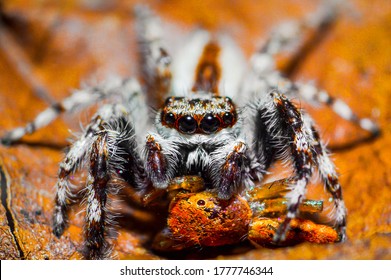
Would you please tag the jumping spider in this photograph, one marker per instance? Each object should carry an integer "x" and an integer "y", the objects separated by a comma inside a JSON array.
[{"x": 219, "y": 124}]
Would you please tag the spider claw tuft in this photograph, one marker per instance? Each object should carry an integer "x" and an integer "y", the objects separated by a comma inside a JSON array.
[{"x": 58, "y": 229}]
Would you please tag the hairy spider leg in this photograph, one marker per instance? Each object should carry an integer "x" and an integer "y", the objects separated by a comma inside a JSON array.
[
  {"x": 110, "y": 137},
  {"x": 118, "y": 157},
  {"x": 329, "y": 176},
  {"x": 310, "y": 93},
  {"x": 77, "y": 100},
  {"x": 71, "y": 163},
  {"x": 154, "y": 60},
  {"x": 290, "y": 37},
  {"x": 97, "y": 222},
  {"x": 289, "y": 139}
]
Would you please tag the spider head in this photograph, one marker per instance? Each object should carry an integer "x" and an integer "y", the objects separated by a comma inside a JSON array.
[{"x": 198, "y": 115}]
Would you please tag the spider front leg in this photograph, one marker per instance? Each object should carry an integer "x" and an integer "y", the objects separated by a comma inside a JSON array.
[
  {"x": 97, "y": 216},
  {"x": 300, "y": 146},
  {"x": 71, "y": 163},
  {"x": 109, "y": 148},
  {"x": 285, "y": 135}
]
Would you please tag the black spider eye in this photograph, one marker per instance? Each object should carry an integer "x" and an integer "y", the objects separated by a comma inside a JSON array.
[
  {"x": 187, "y": 124},
  {"x": 169, "y": 118},
  {"x": 228, "y": 118},
  {"x": 210, "y": 123}
]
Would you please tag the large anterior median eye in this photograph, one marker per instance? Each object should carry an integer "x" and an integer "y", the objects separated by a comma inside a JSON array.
[
  {"x": 187, "y": 124},
  {"x": 210, "y": 123}
]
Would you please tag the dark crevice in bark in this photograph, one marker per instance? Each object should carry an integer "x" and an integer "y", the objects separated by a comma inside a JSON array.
[{"x": 5, "y": 198}]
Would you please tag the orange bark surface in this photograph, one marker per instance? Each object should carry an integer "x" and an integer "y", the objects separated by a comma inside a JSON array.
[{"x": 75, "y": 41}]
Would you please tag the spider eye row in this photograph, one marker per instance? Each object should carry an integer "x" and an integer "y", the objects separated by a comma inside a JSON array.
[{"x": 207, "y": 123}]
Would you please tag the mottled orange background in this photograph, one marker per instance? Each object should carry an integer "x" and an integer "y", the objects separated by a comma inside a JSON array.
[{"x": 85, "y": 40}]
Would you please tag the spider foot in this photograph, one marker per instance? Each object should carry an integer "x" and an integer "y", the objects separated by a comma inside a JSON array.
[
  {"x": 341, "y": 230},
  {"x": 59, "y": 221},
  {"x": 280, "y": 235},
  {"x": 58, "y": 229},
  {"x": 12, "y": 136},
  {"x": 97, "y": 249}
]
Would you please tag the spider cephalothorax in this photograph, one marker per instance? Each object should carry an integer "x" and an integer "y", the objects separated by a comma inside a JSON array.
[{"x": 218, "y": 122}]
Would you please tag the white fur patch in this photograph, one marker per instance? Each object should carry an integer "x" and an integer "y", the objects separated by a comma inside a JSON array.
[
  {"x": 94, "y": 210},
  {"x": 199, "y": 157},
  {"x": 62, "y": 187},
  {"x": 308, "y": 91},
  {"x": 59, "y": 219},
  {"x": 262, "y": 64},
  {"x": 233, "y": 66},
  {"x": 342, "y": 109},
  {"x": 297, "y": 193},
  {"x": 369, "y": 125},
  {"x": 339, "y": 213},
  {"x": 186, "y": 60}
]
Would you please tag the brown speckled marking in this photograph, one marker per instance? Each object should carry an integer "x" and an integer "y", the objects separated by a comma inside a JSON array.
[
  {"x": 301, "y": 153},
  {"x": 208, "y": 70},
  {"x": 156, "y": 164},
  {"x": 231, "y": 172},
  {"x": 96, "y": 217}
]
